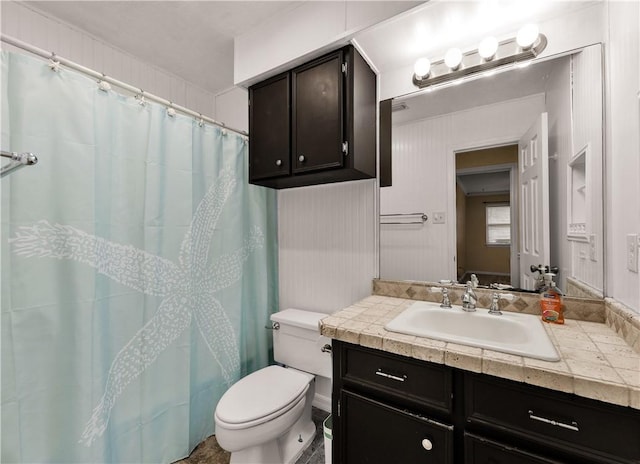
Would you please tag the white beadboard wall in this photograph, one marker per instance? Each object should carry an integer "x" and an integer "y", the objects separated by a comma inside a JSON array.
[
  {"x": 326, "y": 243},
  {"x": 558, "y": 104},
  {"x": 420, "y": 185},
  {"x": 36, "y": 28},
  {"x": 622, "y": 147},
  {"x": 423, "y": 158},
  {"x": 587, "y": 115}
]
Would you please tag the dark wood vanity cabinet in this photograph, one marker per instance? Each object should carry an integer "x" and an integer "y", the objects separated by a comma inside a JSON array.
[
  {"x": 390, "y": 409},
  {"x": 314, "y": 124},
  {"x": 386, "y": 405}
]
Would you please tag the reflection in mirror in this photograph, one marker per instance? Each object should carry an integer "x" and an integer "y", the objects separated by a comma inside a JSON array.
[{"x": 508, "y": 170}]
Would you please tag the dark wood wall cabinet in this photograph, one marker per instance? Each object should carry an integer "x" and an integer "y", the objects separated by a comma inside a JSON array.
[
  {"x": 393, "y": 409},
  {"x": 314, "y": 124}
]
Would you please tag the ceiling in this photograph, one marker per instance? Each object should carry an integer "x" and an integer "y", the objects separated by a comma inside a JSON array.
[
  {"x": 190, "y": 39},
  {"x": 485, "y": 183},
  {"x": 194, "y": 39}
]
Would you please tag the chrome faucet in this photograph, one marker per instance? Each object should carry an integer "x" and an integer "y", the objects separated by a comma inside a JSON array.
[{"x": 469, "y": 298}]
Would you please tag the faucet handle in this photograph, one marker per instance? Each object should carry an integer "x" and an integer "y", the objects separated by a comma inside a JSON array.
[
  {"x": 494, "y": 308},
  {"x": 495, "y": 298},
  {"x": 506, "y": 296},
  {"x": 446, "y": 302}
]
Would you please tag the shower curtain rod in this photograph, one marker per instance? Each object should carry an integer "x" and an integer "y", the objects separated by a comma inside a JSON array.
[
  {"x": 102, "y": 77},
  {"x": 18, "y": 160}
]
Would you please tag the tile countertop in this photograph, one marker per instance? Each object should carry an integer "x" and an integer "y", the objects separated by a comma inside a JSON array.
[{"x": 595, "y": 361}]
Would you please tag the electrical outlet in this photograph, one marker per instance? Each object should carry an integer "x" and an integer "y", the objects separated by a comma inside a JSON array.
[
  {"x": 592, "y": 248},
  {"x": 632, "y": 252},
  {"x": 439, "y": 217}
]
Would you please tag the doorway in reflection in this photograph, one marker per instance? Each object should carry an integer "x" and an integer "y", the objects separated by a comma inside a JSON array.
[{"x": 486, "y": 221}]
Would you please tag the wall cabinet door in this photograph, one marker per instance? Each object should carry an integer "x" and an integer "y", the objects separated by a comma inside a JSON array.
[
  {"x": 375, "y": 432},
  {"x": 269, "y": 118},
  {"x": 317, "y": 114}
]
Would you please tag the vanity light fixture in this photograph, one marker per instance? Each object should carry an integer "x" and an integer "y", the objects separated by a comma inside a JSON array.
[
  {"x": 488, "y": 48},
  {"x": 527, "y": 36},
  {"x": 491, "y": 54},
  {"x": 422, "y": 68},
  {"x": 453, "y": 58}
]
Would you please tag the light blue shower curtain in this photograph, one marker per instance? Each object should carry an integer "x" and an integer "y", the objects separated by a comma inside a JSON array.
[{"x": 138, "y": 271}]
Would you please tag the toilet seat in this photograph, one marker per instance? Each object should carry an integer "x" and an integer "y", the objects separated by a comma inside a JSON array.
[{"x": 262, "y": 396}]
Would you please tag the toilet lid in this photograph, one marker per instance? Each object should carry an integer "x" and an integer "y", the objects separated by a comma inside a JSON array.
[{"x": 261, "y": 394}]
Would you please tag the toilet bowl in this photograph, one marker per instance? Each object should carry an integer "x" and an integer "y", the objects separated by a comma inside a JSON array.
[{"x": 266, "y": 416}]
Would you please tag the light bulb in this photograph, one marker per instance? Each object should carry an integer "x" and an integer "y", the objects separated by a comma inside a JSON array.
[
  {"x": 422, "y": 68},
  {"x": 527, "y": 36},
  {"x": 488, "y": 48},
  {"x": 453, "y": 58}
]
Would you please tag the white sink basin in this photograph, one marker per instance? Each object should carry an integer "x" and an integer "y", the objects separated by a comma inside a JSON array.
[{"x": 513, "y": 333}]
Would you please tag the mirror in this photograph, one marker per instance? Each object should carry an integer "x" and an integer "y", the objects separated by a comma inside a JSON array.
[{"x": 460, "y": 157}]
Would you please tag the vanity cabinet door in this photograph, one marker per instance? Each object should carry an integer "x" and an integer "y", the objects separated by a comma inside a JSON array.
[
  {"x": 375, "y": 432},
  {"x": 269, "y": 119},
  {"x": 479, "y": 450}
]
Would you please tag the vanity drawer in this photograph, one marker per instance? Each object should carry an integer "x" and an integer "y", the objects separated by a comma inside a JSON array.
[
  {"x": 403, "y": 378},
  {"x": 478, "y": 450},
  {"x": 600, "y": 431}
]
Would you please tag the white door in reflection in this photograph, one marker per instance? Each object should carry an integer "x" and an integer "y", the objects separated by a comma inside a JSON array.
[{"x": 533, "y": 162}]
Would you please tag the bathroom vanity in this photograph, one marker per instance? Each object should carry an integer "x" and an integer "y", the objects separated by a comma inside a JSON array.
[{"x": 407, "y": 399}]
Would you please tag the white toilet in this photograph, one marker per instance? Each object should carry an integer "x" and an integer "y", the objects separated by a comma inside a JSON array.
[{"x": 266, "y": 416}]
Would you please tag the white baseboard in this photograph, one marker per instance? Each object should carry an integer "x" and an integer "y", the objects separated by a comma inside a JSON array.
[{"x": 322, "y": 402}]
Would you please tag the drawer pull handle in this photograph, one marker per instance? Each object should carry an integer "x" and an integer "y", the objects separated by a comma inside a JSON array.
[
  {"x": 391, "y": 376},
  {"x": 573, "y": 426},
  {"x": 426, "y": 444}
]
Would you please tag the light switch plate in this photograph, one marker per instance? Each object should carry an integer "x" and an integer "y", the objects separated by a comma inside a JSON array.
[
  {"x": 439, "y": 217},
  {"x": 632, "y": 252}
]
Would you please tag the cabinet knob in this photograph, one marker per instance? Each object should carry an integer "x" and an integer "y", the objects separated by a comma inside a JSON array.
[
  {"x": 301, "y": 158},
  {"x": 426, "y": 444},
  {"x": 278, "y": 162}
]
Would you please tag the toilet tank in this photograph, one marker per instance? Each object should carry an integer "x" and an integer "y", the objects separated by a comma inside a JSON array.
[{"x": 297, "y": 342}]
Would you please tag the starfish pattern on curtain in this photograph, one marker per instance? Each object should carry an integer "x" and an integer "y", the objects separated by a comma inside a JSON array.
[{"x": 187, "y": 289}]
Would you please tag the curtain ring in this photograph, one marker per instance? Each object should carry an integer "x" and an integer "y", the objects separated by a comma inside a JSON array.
[
  {"x": 104, "y": 85},
  {"x": 171, "y": 112},
  {"x": 54, "y": 65},
  {"x": 201, "y": 121},
  {"x": 140, "y": 98}
]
